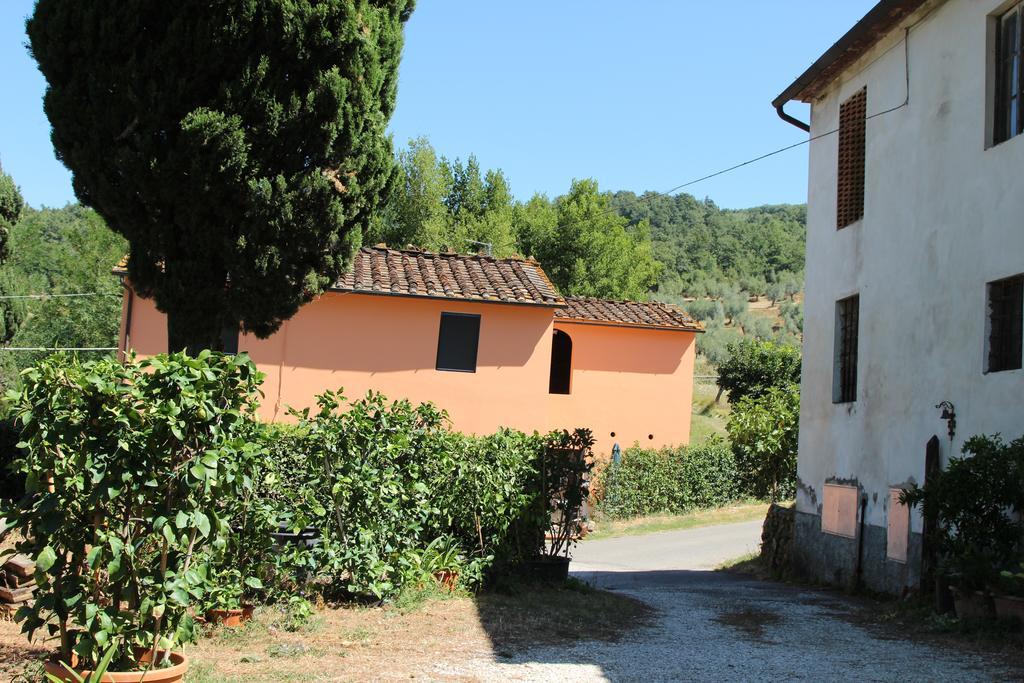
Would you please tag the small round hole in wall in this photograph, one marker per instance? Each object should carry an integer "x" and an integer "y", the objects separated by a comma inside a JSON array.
[
  {"x": 651, "y": 437},
  {"x": 613, "y": 435}
]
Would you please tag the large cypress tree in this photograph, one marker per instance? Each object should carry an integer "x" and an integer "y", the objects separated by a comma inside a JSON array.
[{"x": 239, "y": 145}]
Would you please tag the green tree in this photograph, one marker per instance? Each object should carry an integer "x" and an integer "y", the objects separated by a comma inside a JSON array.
[
  {"x": 11, "y": 206},
  {"x": 534, "y": 224},
  {"x": 63, "y": 251},
  {"x": 415, "y": 214},
  {"x": 735, "y": 303},
  {"x": 764, "y": 431},
  {"x": 593, "y": 252},
  {"x": 753, "y": 367},
  {"x": 240, "y": 147}
]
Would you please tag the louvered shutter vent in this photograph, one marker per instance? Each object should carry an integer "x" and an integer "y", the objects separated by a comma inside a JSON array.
[{"x": 850, "y": 191}]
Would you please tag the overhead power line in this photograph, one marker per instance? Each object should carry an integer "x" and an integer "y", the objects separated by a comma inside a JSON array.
[{"x": 654, "y": 195}]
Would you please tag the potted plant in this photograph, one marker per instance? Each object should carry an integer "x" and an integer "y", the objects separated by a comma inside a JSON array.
[
  {"x": 975, "y": 501},
  {"x": 126, "y": 468},
  {"x": 565, "y": 470},
  {"x": 224, "y": 598},
  {"x": 442, "y": 560}
]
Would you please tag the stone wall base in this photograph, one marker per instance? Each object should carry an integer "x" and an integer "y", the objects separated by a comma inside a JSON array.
[{"x": 832, "y": 559}]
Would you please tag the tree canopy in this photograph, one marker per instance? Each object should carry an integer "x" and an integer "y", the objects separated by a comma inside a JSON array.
[
  {"x": 11, "y": 206},
  {"x": 240, "y": 147},
  {"x": 698, "y": 241},
  {"x": 62, "y": 251}
]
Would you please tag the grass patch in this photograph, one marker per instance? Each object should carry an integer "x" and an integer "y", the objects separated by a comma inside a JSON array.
[
  {"x": 740, "y": 512},
  {"x": 708, "y": 417}
]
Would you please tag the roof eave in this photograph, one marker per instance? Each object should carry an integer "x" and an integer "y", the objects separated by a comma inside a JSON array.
[
  {"x": 881, "y": 19},
  {"x": 635, "y": 326},
  {"x": 436, "y": 297}
]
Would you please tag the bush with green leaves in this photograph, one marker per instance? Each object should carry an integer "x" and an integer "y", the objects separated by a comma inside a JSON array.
[
  {"x": 752, "y": 367},
  {"x": 670, "y": 480},
  {"x": 976, "y": 502},
  {"x": 387, "y": 484},
  {"x": 764, "y": 430},
  {"x": 128, "y": 467}
]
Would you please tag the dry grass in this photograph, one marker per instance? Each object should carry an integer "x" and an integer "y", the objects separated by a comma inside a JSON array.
[
  {"x": 412, "y": 638},
  {"x": 740, "y": 512}
]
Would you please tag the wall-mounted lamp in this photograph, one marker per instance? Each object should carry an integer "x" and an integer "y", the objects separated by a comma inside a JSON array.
[{"x": 949, "y": 415}]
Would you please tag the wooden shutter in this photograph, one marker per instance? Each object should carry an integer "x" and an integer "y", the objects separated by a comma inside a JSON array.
[{"x": 852, "y": 131}]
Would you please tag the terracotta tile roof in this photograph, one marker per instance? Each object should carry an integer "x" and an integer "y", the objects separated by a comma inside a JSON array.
[
  {"x": 632, "y": 313},
  {"x": 379, "y": 270}
]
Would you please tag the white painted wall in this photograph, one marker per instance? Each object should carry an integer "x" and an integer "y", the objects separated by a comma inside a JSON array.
[{"x": 943, "y": 215}]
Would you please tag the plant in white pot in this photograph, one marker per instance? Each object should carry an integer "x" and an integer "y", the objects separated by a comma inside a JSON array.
[{"x": 127, "y": 466}]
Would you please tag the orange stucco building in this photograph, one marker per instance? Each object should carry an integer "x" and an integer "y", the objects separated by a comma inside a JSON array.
[{"x": 489, "y": 340}]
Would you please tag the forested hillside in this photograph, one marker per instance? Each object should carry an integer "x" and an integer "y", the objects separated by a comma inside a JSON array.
[
  {"x": 698, "y": 242},
  {"x": 739, "y": 271}
]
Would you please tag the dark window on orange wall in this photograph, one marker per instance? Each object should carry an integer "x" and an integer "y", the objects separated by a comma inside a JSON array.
[
  {"x": 561, "y": 364},
  {"x": 1005, "y": 328},
  {"x": 458, "y": 341},
  {"x": 852, "y": 138}
]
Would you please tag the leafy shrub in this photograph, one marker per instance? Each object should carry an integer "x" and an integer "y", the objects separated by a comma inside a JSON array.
[
  {"x": 752, "y": 367},
  {"x": 764, "y": 431},
  {"x": 394, "y": 493},
  {"x": 976, "y": 502},
  {"x": 670, "y": 480},
  {"x": 127, "y": 467}
]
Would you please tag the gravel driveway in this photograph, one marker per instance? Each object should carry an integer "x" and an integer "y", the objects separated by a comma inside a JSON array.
[{"x": 715, "y": 626}]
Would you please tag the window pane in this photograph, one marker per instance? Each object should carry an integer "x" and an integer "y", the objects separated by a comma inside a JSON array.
[
  {"x": 1006, "y": 320},
  {"x": 847, "y": 331},
  {"x": 458, "y": 341}
]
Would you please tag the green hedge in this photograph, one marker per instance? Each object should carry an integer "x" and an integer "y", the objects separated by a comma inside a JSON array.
[
  {"x": 670, "y": 480},
  {"x": 388, "y": 484}
]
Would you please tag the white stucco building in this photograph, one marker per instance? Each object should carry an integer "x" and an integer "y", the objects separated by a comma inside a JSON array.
[{"x": 915, "y": 256}]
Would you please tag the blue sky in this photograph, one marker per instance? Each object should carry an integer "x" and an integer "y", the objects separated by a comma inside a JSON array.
[{"x": 643, "y": 95}]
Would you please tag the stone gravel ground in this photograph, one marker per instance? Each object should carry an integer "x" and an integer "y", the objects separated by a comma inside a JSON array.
[
  {"x": 720, "y": 626},
  {"x": 716, "y": 626}
]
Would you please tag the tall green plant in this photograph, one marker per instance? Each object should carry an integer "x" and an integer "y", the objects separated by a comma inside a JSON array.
[
  {"x": 976, "y": 501},
  {"x": 764, "y": 431},
  {"x": 128, "y": 467},
  {"x": 752, "y": 368}
]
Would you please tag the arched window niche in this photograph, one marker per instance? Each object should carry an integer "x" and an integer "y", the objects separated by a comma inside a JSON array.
[{"x": 561, "y": 364}]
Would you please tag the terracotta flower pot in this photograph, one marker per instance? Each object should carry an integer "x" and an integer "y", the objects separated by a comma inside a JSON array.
[
  {"x": 232, "y": 618},
  {"x": 972, "y": 605},
  {"x": 1009, "y": 607},
  {"x": 172, "y": 674},
  {"x": 448, "y": 579}
]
